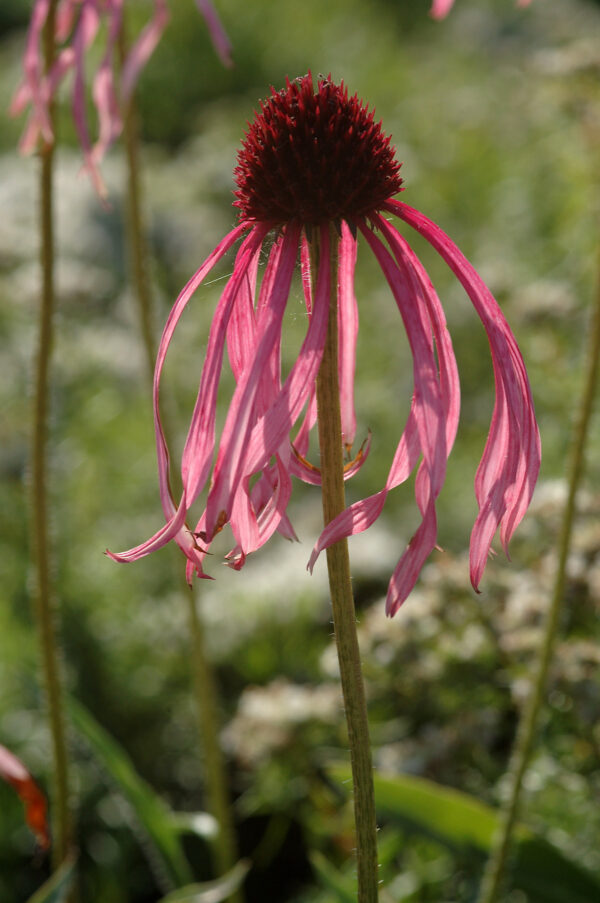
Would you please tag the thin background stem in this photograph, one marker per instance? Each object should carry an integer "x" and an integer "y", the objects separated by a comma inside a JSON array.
[
  {"x": 496, "y": 865},
  {"x": 342, "y": 601},
  {"x": 205, "y": 695},
  {"x": 44, "y": 605}
]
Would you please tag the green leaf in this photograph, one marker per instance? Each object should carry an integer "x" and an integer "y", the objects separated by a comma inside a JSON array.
[
  {"x": 211, "y": 891},
  {"x": 466, "y": 825},
  {"x": 152, "y": 812},
  {"x": 342, "y": 885},
  {"x": 56, "y": 888}
]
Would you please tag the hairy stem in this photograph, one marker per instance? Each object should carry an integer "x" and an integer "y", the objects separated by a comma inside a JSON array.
[
  {"x": 44, "y": 604},
  {"x": 496, "y": 865},
  {"x": 225, "y": 850},
  {"x": 344, "y": 617}
]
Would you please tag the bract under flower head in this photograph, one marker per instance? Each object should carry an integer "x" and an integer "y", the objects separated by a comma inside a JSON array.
[{"x": 314, "y": 157}]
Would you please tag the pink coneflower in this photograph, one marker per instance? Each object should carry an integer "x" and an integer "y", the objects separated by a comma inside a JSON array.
[
  {"x": 441, "y": 8},
  {"x": 14, "y": 773},
  {"x": 315, "y": 166},
  {"x": 77, "y": 23}
]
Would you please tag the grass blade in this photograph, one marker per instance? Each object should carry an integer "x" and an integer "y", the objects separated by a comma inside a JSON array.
[
  {"x": 466, "y": 825},
  {"x": 152, "y": 812}
]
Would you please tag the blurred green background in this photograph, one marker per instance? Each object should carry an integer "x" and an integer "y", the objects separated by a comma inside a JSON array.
[{"x": 495, "y": 114}]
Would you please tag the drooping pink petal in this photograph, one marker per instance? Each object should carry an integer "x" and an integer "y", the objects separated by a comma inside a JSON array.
[
  {"x": 270, "y": 384},
  {"x": 65, "y": 17},
  {"x": 431, "y": 424},
  {"x": 348, "y": 333},
  {"x": 34, "y": 68},
  {"x": 440, "y": 8},
  {"x": 359, "y": 516},
  {"x": 199, "y": 445},
  {"x": 231, "y": 466},
  {"x": 429, "y": 412},
  {"x": 217, "y": 33},
  {"x": 302, "y": 439},
  {"x": 274, "y": 427},
  {"x": 87, "y": 27},
  {"x": 171, "y": 530},
  {"x": 76, "y": 25},
  {"x": 510, "y": 463},
  {"x": 176, "y": 516},
  {"x": 449, "y": 379},
  {"x": 14, "y": 773},
  {"x": 110, "y": 123},
  {"x": 143, "y": 49},
  {"x": 241, "y": 329},
  {"x": 306, "y": 272},
  {"x": 268, "y": 501}
]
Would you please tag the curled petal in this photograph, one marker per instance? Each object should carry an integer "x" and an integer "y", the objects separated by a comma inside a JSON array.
[
  {"x": 274, "y": 427},
  {"x": 199, "y": 445},
  {"x": 427, "y": 428},
  {"x": 309, "y": 473},
  {"x": 171, "y": 529},
  {"x": 510, "y": 463},
  {"x": 449, "y": 379},
  {"x": 175, "y": 517},
  {"x": 14, "y": 773},
  {"x": 359, "y": 516},
  {"x": 231, "y": 466},
  {"x": 428, "y": 408},
  {"x": 409, "y": 567},
  {"x": 267, "y": 502}
]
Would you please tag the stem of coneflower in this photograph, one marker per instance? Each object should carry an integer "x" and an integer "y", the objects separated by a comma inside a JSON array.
[
  {"x": 340, "y": 587},
  {"x": 225, "y": 850},
  {"x": 44, "y": 605},
  {"x": 496, "y": 865}
]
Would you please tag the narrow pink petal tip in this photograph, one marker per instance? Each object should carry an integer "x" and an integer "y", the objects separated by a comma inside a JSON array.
[{"x": 440, "y": 8}]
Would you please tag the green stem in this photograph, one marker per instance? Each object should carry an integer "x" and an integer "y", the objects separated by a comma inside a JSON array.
[
  {"x": 496, "y": 865},
  {"x": 44, "y": 605},
  {"x": 344, "y": 617},
  {"x": 225, "y": 849}
]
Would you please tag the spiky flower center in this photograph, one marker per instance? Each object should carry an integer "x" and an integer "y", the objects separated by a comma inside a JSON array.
[{"x": 314, "y": 157}]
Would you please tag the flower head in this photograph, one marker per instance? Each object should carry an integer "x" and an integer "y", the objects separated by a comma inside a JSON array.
[
  {"x": 77, "y": 23},
  {"x": 310, "y": 161}
]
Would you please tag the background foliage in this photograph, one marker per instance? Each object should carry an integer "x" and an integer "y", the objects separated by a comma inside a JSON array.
[{"x": 495, "y": 114}]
